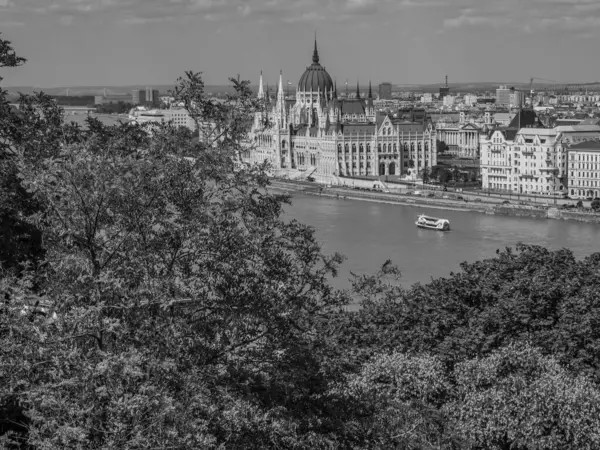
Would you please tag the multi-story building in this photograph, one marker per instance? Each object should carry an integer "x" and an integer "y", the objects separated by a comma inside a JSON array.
[
  {"x": 470, "y": 99},
  {"x": 516, "y": 99},
  {"x": 325, "y": 135},
  {"x": 503, "y": 96},
  {"x": 448, "y": 101},
  {"x": 178, "y": 117},
  {"x": 528, "y": 158},
  {"x": 139, "y": 97},
  {"x": 385, "y": 91},
  {"x": 427, "y": 98},
  {"x": 462, "y": 136},
  {"x": 584, "y": 169}
]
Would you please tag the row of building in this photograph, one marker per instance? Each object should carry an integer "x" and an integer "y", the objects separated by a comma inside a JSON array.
[{"x": 527, "y": 157}]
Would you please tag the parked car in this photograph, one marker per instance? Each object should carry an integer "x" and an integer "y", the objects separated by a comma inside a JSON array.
[
  {"x": 311, "y": 179},
  {"x": 417, "y": 193},
  {"x": 506, "y": 202},
  {"x": 431, "y": 194},
  {"x": 477, "y": 200},
  {"x": 459, "y": 197}
]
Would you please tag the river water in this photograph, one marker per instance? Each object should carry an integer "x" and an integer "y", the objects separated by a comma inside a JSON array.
[{"x": 370, "y": 233}]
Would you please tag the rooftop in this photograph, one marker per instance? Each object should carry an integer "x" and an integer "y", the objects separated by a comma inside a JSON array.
[{"x": 588, "y": 145}]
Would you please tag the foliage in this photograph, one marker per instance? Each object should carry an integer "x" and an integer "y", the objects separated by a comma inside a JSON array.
[
  {"x": 153, "y": 297},
  {"x": 403, "y": 396},
  {"x": 547, "y": 298},
  {"x": 516, "y": 398},
  {"x": 181, "y": 308}
]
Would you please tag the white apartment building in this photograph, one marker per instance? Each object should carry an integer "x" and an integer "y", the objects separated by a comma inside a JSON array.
[
  {"x": 584, "y": 170},
  {"x": 448, "y": 100},
  {"x": 470, "y": 99},
  {"x": 178, "y": 117},
  {"x": 503, "y": 96},
  {"x": 530, "y": 160},
  {"x": 516, "y": 99},
  {"x": 427, "y": 98}
]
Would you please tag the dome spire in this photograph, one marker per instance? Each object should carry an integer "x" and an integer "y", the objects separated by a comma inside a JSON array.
[{"x": 315, "y": 52}]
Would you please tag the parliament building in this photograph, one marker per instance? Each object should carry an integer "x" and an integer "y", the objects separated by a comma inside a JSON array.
[{"x": 321, "y": 134}]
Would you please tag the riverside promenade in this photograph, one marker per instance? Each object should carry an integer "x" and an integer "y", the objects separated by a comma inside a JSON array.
[{"x": 454, "y": 202}]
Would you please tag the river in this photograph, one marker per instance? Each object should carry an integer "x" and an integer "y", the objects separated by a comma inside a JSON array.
[{"x": 370, "y": 233}]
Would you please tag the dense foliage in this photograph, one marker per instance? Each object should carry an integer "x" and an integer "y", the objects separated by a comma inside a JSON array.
[{"x": 153, "y": 297}]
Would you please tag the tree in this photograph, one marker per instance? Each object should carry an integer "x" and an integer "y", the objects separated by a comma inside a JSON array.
[
  {"x": 445, "y": 176},
  {"x": 402, "y": 397},
  {"x": 529, "y": 294},
  {"x": 440, "y": 146},
  {"x": 518, "y": 398},
  {"x": 596, "y": 204},
  {"x": 178, "y": 306}
]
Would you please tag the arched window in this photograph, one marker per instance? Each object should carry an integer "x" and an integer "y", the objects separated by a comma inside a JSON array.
[
  {"x": 346, "y": 147},
  {"x": 361, "y": 148},
  {"x": 379, "y": 148},
  {"x": 384, "y": 148},
  {"x": 395, "y": 148},
  {"x": 405, "y": 146},
  {"x": 283, "y": 144},
  {"x": 368, "y": 148},
  {"x": 339, "y": 148},
  {"x": 353, "y": 148}
]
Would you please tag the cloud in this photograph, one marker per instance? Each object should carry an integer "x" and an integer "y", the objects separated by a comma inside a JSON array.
[
  {"x": 11, "y": 24},
  {"x": 66, "y": 20},
  {"x": 529, "y": 16}
]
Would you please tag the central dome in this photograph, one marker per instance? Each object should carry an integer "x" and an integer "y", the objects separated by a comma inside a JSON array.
[{"x": 315, "y": 77}]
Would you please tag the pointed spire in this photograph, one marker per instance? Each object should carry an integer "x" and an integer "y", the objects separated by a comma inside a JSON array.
[
  {"x": 261, "y": 92},
  {"x": 370, "y": 91},
  {"x": 315, "y": 52},
  {"x": 357, "y": 90},
  {"x": 280, "y": 94},
  {"x": 335, "y": 89}
]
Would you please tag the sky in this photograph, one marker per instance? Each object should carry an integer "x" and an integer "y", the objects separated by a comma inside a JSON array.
[{"x": 126, "y": 42}]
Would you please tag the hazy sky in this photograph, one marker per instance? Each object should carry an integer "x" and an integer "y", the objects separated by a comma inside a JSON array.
[{"x": 120, "y": 42}]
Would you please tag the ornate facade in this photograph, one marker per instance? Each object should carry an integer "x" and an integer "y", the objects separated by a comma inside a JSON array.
[
  {"x": 322, "y": 134},
  {"x": 462, "y": 137}
]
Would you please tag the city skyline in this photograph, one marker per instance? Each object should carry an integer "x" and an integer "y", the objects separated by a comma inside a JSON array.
[{"x": 110, "y": 42}]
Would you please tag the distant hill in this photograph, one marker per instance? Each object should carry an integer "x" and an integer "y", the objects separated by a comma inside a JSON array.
[
  {"x": 477, "y": 86},
  {"x": 99, "y": 90}
]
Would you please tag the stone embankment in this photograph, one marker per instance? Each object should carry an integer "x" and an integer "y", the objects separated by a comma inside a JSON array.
[{"x": 479, "y": 204}]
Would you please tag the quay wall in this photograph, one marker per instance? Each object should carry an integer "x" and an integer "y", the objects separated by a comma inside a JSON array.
[{"x": 394, "y": 197}]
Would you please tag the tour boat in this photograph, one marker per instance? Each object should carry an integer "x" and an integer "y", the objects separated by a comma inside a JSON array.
[{"x": 433, "y": 223}]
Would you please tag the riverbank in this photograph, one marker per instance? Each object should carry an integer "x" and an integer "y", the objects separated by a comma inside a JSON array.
[{"x": 481, "y": 206}]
